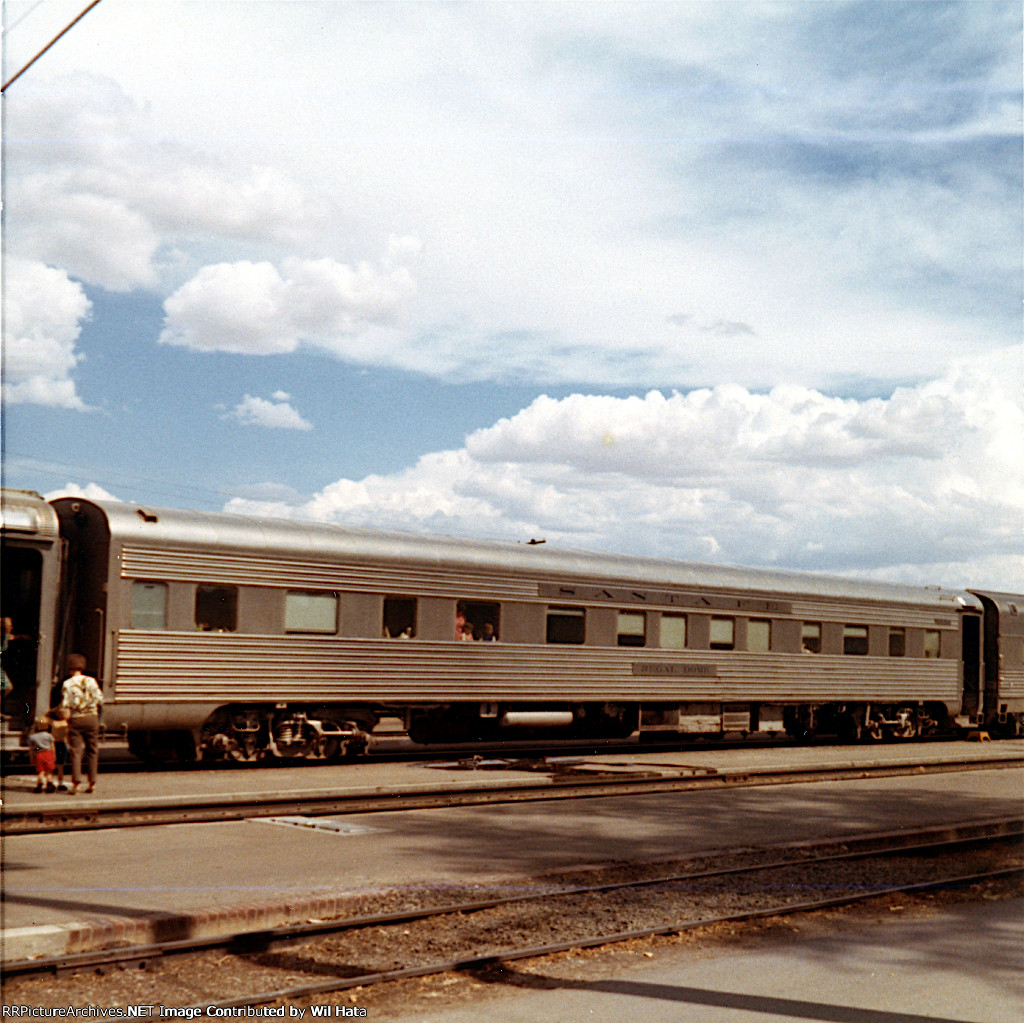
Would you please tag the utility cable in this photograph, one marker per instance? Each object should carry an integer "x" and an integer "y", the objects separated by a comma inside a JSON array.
[
  {"x": 8, "y": 29},
  {"x": 67, "y": 28}
]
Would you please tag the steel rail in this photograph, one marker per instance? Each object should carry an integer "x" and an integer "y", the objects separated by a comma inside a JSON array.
[
  {"x": 247, "y": 942},
  {"x": 211, "y": 809},
  {"x": 477, "y": 962}
]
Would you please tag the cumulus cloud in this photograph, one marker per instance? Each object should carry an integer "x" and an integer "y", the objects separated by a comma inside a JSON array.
[
  {"x": 256, "y": 309},
  {"x": 925, "y": 486},
  {"x": 679, "y": 196},
  {"x": 92, "y": 187},
  {"x": 43, "y": 315},
  {"x": 100, "y": 239},
  {"x": 683, "y": 436},
  {"x": 694, "y": 193},
  {"x": 277, "y": 413}
]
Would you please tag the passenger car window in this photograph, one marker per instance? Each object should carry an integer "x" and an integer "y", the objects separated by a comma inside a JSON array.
[
  {"x": 897, "y": 642},
  {"x": 673, "y": 632},
  {"x": 759, "y": 635},
  {"x": 477, "y": 620},
  {"x": 632, "y": 630},
  {"x": 566, "y": 625},
  {"x": 310, "y": 612},
  {"x": 723, "y": 633},
  {"x": 399, "y": 617},
  {"x": 149, "y": 605},
  {"x": 932, "y": 642},
  {"x": 810, "y": 638},
  {"x": 216, "y": 608},
  {"x": 855, "y": 639}
]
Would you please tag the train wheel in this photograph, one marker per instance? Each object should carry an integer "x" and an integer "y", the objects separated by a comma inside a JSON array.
[
  {"x": 354, "y": 749},
  {"x": 331, "y": 747}
]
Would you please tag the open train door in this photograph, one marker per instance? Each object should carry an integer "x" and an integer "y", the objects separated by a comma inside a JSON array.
[
  {"x": 30, "y": 563},
  {"x": 971, "y": 647}
]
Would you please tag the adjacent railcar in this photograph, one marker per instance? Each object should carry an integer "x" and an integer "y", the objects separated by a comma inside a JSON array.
[
  {"x": 30, "y": 566},
  {"x": 218, "y": 635},
  {"x": 1002, "y": 656}
]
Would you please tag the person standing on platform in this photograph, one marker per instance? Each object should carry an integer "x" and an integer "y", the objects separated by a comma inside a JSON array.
[
  {"x": 40, "y": 742},
  {"x": 82, "y": 698}
]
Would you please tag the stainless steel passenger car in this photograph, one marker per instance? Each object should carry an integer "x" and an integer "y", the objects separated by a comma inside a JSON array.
[{"x": 226, "y": 636}]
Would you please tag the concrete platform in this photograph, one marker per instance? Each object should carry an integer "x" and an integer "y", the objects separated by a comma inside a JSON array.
[
  {"x": 83, "y": 890},
  {"x": 136, "y": 788}
]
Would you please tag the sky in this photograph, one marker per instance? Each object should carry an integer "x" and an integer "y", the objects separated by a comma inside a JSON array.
[{"x": 721, "y": 282}]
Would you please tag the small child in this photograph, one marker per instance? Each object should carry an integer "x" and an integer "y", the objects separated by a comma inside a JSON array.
[
  {"x": 40, "y": 742},
  {"x": 59, "y": 730}
]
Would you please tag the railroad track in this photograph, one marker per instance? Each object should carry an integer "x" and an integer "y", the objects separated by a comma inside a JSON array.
[
  {"x": 555, "y": 779},
  {"x": 743, "y": 886}
]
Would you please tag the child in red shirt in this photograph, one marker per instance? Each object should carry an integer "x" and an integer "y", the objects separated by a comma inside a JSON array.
[{"x": 40, "y": 742}]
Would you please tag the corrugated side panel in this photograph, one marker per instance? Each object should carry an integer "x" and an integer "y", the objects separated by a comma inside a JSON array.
[
  {"x": 854, "y": 612},
  {"x": 247, "y": 570},
  {"x": 224, "y": 667},
  {"x": 1011, "y": 683},
  {"x": 25, "y": 515}
]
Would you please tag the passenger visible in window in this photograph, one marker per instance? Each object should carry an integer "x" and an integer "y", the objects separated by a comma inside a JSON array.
[
  {"x": 216, "y": 608},
  {"x": 810, "y": 638},
  {"x": 399, "y": 618},
  {"x": 477, "y": 620}
]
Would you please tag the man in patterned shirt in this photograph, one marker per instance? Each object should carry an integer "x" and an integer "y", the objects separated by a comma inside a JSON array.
[{"x": 82, "y": 698}]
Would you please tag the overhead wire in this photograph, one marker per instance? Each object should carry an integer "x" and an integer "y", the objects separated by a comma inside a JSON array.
[
  {"x": 57, "y": 469},
  {"x": 116, "y": 480},
  {"x": 17, "y": 21},
  {"x": 63, "y": 32}
]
